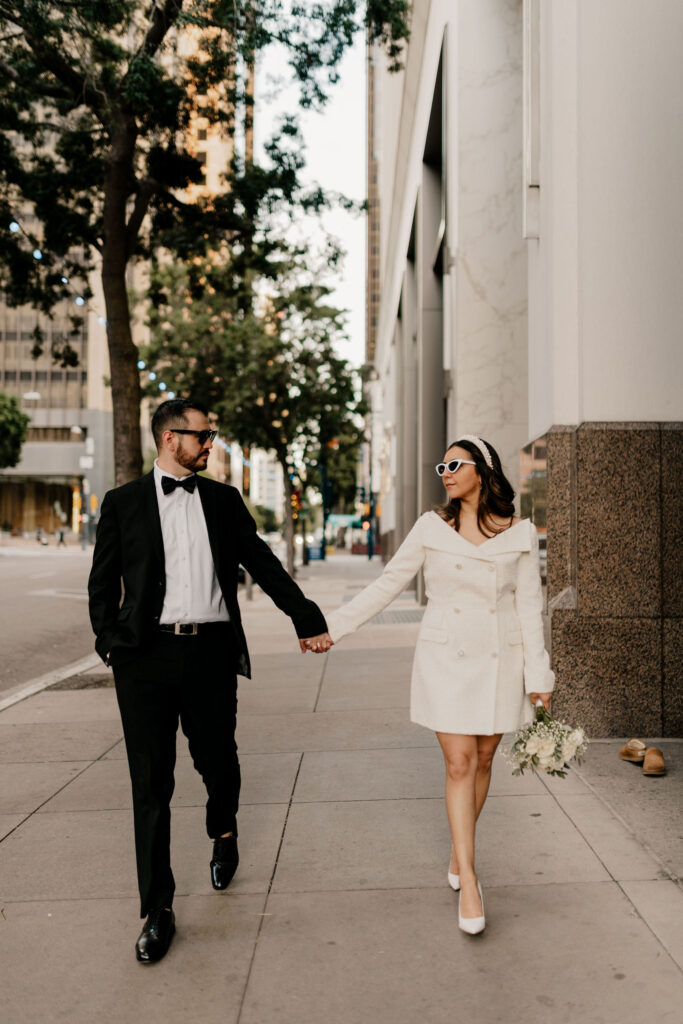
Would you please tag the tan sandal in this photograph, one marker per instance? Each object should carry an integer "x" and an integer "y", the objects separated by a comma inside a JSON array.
[
  {"x": 654, "y": 763},
  {"x": 634, "y": 750}
]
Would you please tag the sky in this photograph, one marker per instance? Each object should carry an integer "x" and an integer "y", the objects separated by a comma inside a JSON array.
[{"x": 335, "y": 159}]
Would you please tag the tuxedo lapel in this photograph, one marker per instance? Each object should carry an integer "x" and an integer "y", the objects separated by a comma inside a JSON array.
[
  {"x": 151, "y": 512},
  {"x": 208, "y": 496}
]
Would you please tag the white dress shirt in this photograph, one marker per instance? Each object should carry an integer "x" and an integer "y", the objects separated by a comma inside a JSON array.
[{"x": 193, "y": 593}]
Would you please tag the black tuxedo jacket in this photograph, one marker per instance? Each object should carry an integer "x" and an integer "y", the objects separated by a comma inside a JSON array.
[{"x": 130, "y": 548}]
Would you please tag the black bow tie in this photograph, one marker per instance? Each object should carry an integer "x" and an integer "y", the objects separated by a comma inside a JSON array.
[{"x": 168, "y": 484}]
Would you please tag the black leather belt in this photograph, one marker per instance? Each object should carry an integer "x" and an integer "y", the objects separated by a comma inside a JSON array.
[{"x": 189, "y": 628}]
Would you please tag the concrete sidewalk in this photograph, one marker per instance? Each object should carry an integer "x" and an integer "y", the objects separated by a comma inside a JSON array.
[{"x": 339, "y": 912}]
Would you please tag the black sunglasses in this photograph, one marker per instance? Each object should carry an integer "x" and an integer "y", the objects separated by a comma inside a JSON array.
[
  {"x": 452, "y": 466},
  {"x": 202, "y": 435}
]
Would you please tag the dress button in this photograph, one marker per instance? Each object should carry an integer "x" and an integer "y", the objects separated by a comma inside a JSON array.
[
  {"x": 492, "y": 568},
  {"x": 492, "y": 611},
  {"x": 457, "y": 611},
  {"x": 461, "y": 654},
  {"x": 458, "y": 565},
  {"x": 494, "y": 654}
]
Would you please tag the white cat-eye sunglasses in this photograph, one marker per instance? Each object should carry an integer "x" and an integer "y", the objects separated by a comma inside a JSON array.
[{"x": 453, "y": 466}]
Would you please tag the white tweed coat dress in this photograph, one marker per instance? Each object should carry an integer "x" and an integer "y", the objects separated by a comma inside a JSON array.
[{"x": 480, "y": 645}]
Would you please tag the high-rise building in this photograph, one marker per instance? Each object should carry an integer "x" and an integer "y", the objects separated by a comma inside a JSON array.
[{"x": 528, "y": 162}]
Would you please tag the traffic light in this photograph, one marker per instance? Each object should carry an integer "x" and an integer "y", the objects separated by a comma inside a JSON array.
[{"x": 361, "y": 494}]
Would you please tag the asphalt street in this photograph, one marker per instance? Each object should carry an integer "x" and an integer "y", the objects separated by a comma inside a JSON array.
[{"x": 43, "y": 610}]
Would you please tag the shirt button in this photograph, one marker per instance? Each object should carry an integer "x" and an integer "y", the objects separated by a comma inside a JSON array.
[
  {"x": 492, "y": 568},
  {"x": 457, "y": 610},
  {"x": 494, "y": 654},
  {"x": 458, "y": 565},
  {"x": 492, "y": 611},
  {"x": 461, "y": 654}
]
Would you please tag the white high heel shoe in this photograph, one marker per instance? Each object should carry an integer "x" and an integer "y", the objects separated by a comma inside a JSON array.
[{"x": 472, "y": 925}]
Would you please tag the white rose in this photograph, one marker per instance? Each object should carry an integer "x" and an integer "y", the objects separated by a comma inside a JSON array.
[
  {"x": 547, "y": 748},
  {"x": 545, "y": 763},
  {"x": 568, "y": 750},
  {"x": 532, "y": 745},
  {"x": 577, "y": 737}
]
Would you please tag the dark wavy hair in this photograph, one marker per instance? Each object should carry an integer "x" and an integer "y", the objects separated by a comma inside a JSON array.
[{"x": 496, "y": 497}]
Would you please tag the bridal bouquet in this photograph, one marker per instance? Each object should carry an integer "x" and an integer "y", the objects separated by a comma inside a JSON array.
[{"x": 545, "y": 745}]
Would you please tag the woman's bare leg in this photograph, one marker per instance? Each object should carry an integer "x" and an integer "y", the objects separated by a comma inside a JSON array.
[
  {"x": 460, "y": 756},
  {"x": 486, "y": 748}
]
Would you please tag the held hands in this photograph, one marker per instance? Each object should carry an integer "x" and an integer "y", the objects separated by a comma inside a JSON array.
[
  {"x": 544, "y": 697},
  {"x": 318, "y": 644}
]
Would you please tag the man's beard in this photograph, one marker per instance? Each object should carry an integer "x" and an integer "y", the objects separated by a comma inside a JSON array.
[{"x": 191, "y": 462}]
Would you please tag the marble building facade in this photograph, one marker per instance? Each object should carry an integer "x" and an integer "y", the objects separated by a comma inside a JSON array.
[{"x": 528, "y": 159}]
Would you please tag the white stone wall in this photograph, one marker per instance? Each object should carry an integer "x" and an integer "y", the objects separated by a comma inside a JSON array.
[
  {"x": 606, "y": 305},
  {"x": 482, "y": 307},
  {"x": 489, "y": 338}
]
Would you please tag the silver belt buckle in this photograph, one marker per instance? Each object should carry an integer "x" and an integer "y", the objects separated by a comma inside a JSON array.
[{"x": 180, "y": 631}]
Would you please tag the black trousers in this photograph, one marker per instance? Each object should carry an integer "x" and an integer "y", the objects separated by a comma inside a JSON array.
[{"x": 190, "y": 679}]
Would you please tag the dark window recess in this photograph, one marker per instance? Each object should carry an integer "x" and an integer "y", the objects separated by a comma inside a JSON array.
[
  {"x": 10, "y": 375},
  {"x": 56, "y": 375},
  {"x": 41, "y": 375},
  {"x": 84, "y": 376},
  {"x": 202, "y": 159},
  {"x": 27, "y": 336},
  {"x": 72, "y": 374},
  {"x": 10, "y": 335},
  {"x": 25, "y": 375},
  {"x": 201, "y": 134}
]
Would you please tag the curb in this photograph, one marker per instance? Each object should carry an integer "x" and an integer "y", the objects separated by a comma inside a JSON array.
[{"x": 42, "y": 682}]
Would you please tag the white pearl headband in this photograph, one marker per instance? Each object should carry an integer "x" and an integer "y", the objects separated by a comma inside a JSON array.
[{"x": 481, "y": 445}]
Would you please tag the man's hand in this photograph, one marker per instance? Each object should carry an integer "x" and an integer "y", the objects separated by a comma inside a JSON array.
[{"x": 318, "y": 644}]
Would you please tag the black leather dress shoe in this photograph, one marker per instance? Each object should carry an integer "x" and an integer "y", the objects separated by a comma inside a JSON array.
[
  {"x": 155, "y": 937},
  {"x": 224, "y": 862}
]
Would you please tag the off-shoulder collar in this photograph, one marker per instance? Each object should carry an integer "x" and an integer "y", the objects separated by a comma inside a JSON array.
[{"x": 515, "y": 538}]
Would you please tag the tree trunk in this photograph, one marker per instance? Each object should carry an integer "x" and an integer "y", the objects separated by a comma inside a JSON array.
[
  {"x": 289, "y": 519},
  {"x": 123, "y": 354},
  {"x": 304, "y": 548}
]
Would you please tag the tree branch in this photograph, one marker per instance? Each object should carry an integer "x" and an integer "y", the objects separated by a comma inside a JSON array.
[
  {"x": 9, "y": 70},
  {"x": 54, "y": 61},
  {"x": 162, "y": 19},
  {"x": 146, "y": 189}
]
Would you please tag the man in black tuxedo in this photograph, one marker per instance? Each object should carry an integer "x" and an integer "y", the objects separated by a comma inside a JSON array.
[{"x": 176, "y": 642}]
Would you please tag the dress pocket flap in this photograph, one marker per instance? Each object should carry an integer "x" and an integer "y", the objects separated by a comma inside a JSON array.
[
  {"x": 435, "y": 636},
  {"x": 515, "y": 637}
]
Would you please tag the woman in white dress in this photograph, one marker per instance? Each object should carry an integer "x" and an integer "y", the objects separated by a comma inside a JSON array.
[{"x": 480, "y": 661}]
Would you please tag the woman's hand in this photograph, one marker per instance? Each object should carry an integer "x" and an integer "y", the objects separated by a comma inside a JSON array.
[
  {"x": 318, "y": 644},
  {"x": 544, "y": 697}
]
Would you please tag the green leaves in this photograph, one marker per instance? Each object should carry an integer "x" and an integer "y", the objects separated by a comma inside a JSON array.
[
  {"x": 260, "y": 353},
  {"x": 13, "y": 426}
]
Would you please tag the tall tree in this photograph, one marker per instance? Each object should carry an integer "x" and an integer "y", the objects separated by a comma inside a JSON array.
[
  {"x": 267, "y": 369},
  {"x": 95, "y": 104},
  {"x": 13, "y": 427}
]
